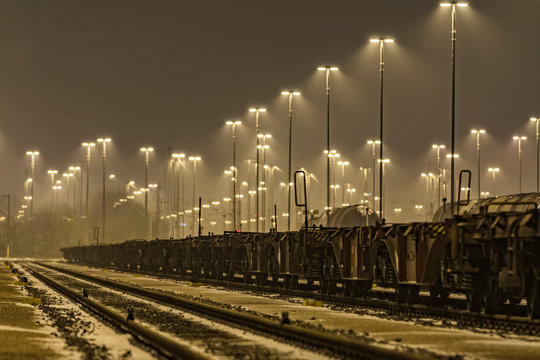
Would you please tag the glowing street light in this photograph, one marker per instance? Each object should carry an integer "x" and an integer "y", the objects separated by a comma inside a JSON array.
[
  {"x": 257, "y": 111},
  {"x": 382, "y": 163},
  {"x": 494, "y": 171},
  {"x": 343, "y": 164},
  {"x": 32, "y": 155},
  {"x": 233, "y": 125},
  {"x": 194, "y": 159},
  {"x": 148, "y": 225},
  {"x": 328, "y": 69},
  {"x": 381, "y": 42},
  {"x": 478, "y": 132},
  {"x": 437, "y": 148},
  {"x": 88, "y": 145},
  {"x": 453, "y": 5},
  {"x": 519, "y": 139},
  {"x": 373, "y": 144},
  {"x": 290, "y": 94},
  {"x": 104, "y": 142},
  {"x": 52, "y": 173}
]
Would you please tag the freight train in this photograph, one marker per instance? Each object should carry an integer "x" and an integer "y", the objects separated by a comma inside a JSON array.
[{"x": 489, "y": 251}]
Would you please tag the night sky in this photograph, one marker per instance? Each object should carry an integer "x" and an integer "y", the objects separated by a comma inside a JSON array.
[{"x": 170, "y": 73}]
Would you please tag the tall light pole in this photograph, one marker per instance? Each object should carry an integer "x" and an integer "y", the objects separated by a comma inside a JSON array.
[
  {"x": 104, "y": 142},
  {"x": 453, "y": 5},
  {"x": 382, "y": 163},
  {"x": 88, "y": 145},
  {"x": 52, "y": 173},
  {"x": 194, "y": 159},
  {"x": 327, "y": 69},
  {"x": 438, "y": 148},
  {"x": 147, "y": 226},
  {"x": 373, "y": 144},
  {"x": 343, "y": 164},
  {"x": 180, "y": 209},
  {"x": 452, "y": 158},
  {"x": 262, "y": 186},
  {"x": 257, "y": 111},
  {"x": 537, "y": 120},
  {"x": 290, "y": 95},
  {"x": 519, "y": 139},
  {"x": 478, "y": 132},
  {"x": 381, "y": 43},
  {"x": 494, "y": 171},
  {"x": 75, "y": 170},
  {"x": 32, "y": 155},
  {"x": 233, "y": 125}
]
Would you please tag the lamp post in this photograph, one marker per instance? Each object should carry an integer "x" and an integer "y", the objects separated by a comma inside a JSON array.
[
  {"x": 52, "y": 173},
  {"x": 373, "y": 144},
  {"x": 494, "y": 171},
  {"x": 478, "y": 132},
  {"x": 257, "y": 111},
  {"x": 104, "y": 142},
  {"x": 382, "y": 163},
  {"x": 438, "y": 148},
  {"x": 262, "y": 185},
  {"x": 147, "y": 226},
  {"x": 519, "y": 139},
  {"x": 381, "y": 43},
  {"x": 194, "y": 159},
  {"x": 181, "y": 159},
  {"x": 32, "y": 155},
  {"x": 88, "y": 145},
  {"x": 343, "y": 164},
  {"x": 453, "y": 5},
  {"x": 365, "y": 182},
  {"x": 327, "y": 69},
  {"x": 75, "y": 170},
  {"x": 452, "y": 158},
  {"x": 233, "y": 125},
  {"x": 290, "y": 95},
  {"x": 537, "y": 120}
]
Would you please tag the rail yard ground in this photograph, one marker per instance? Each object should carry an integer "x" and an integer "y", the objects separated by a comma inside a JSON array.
[{"x": 428, "y": 337}]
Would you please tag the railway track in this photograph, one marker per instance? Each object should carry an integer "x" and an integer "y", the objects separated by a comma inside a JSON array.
[
  {"x": 155, "y": 340},
  {"x": 335, "y": 346},
  {"x": 453, "y": 312}
]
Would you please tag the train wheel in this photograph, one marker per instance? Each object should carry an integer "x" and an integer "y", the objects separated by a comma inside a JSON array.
[
  {"x": 287, "y": 282},
  {"x": 323, "y": 284},
  {"x": 413, "y": 294},
  {"x": 474, "y": 301},
  {"x": 533, "y": 298},
  {"x": 332, "y": 287},
  {"x": 348, "y": 288},
  {"x": 401, "y": 294},
  {"x": 230, "y": 275}
]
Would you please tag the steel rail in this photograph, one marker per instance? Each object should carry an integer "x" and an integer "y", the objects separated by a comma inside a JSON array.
[
  {"x": 514, "y": 323},
  {"x": 333, "y": 345},
  {"x": 163, "y": 344}
]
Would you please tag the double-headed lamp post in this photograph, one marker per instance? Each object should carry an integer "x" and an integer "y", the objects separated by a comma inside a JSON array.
[
  {"x": 537, "y": 120},
  {"x": 233, "y": 125},
  {"x": 381, "y": 42},
  {"x": 104, "y": 142},
  {"x": 147, "y": 150},
  {"x": 478, "y": 132},
  {"x": 437, "y": 148},
  {"x": 290, "y": 94},
  {"x": 343, "y": 164},
  {"x": 52, "y": 173},
  {"x": 32, "y": 155},
  {"x": 327, "y": 69},
  {"x": 494, "y": 171},
  {"x": 194, "y": 159},
  {"x": 373, "y": 144},
  {"x": 453, "y": 5},
  {"x": 257, "y": 111},
  {"x": 519, "y": 139},
  {"x": 88, "y": 145}
]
